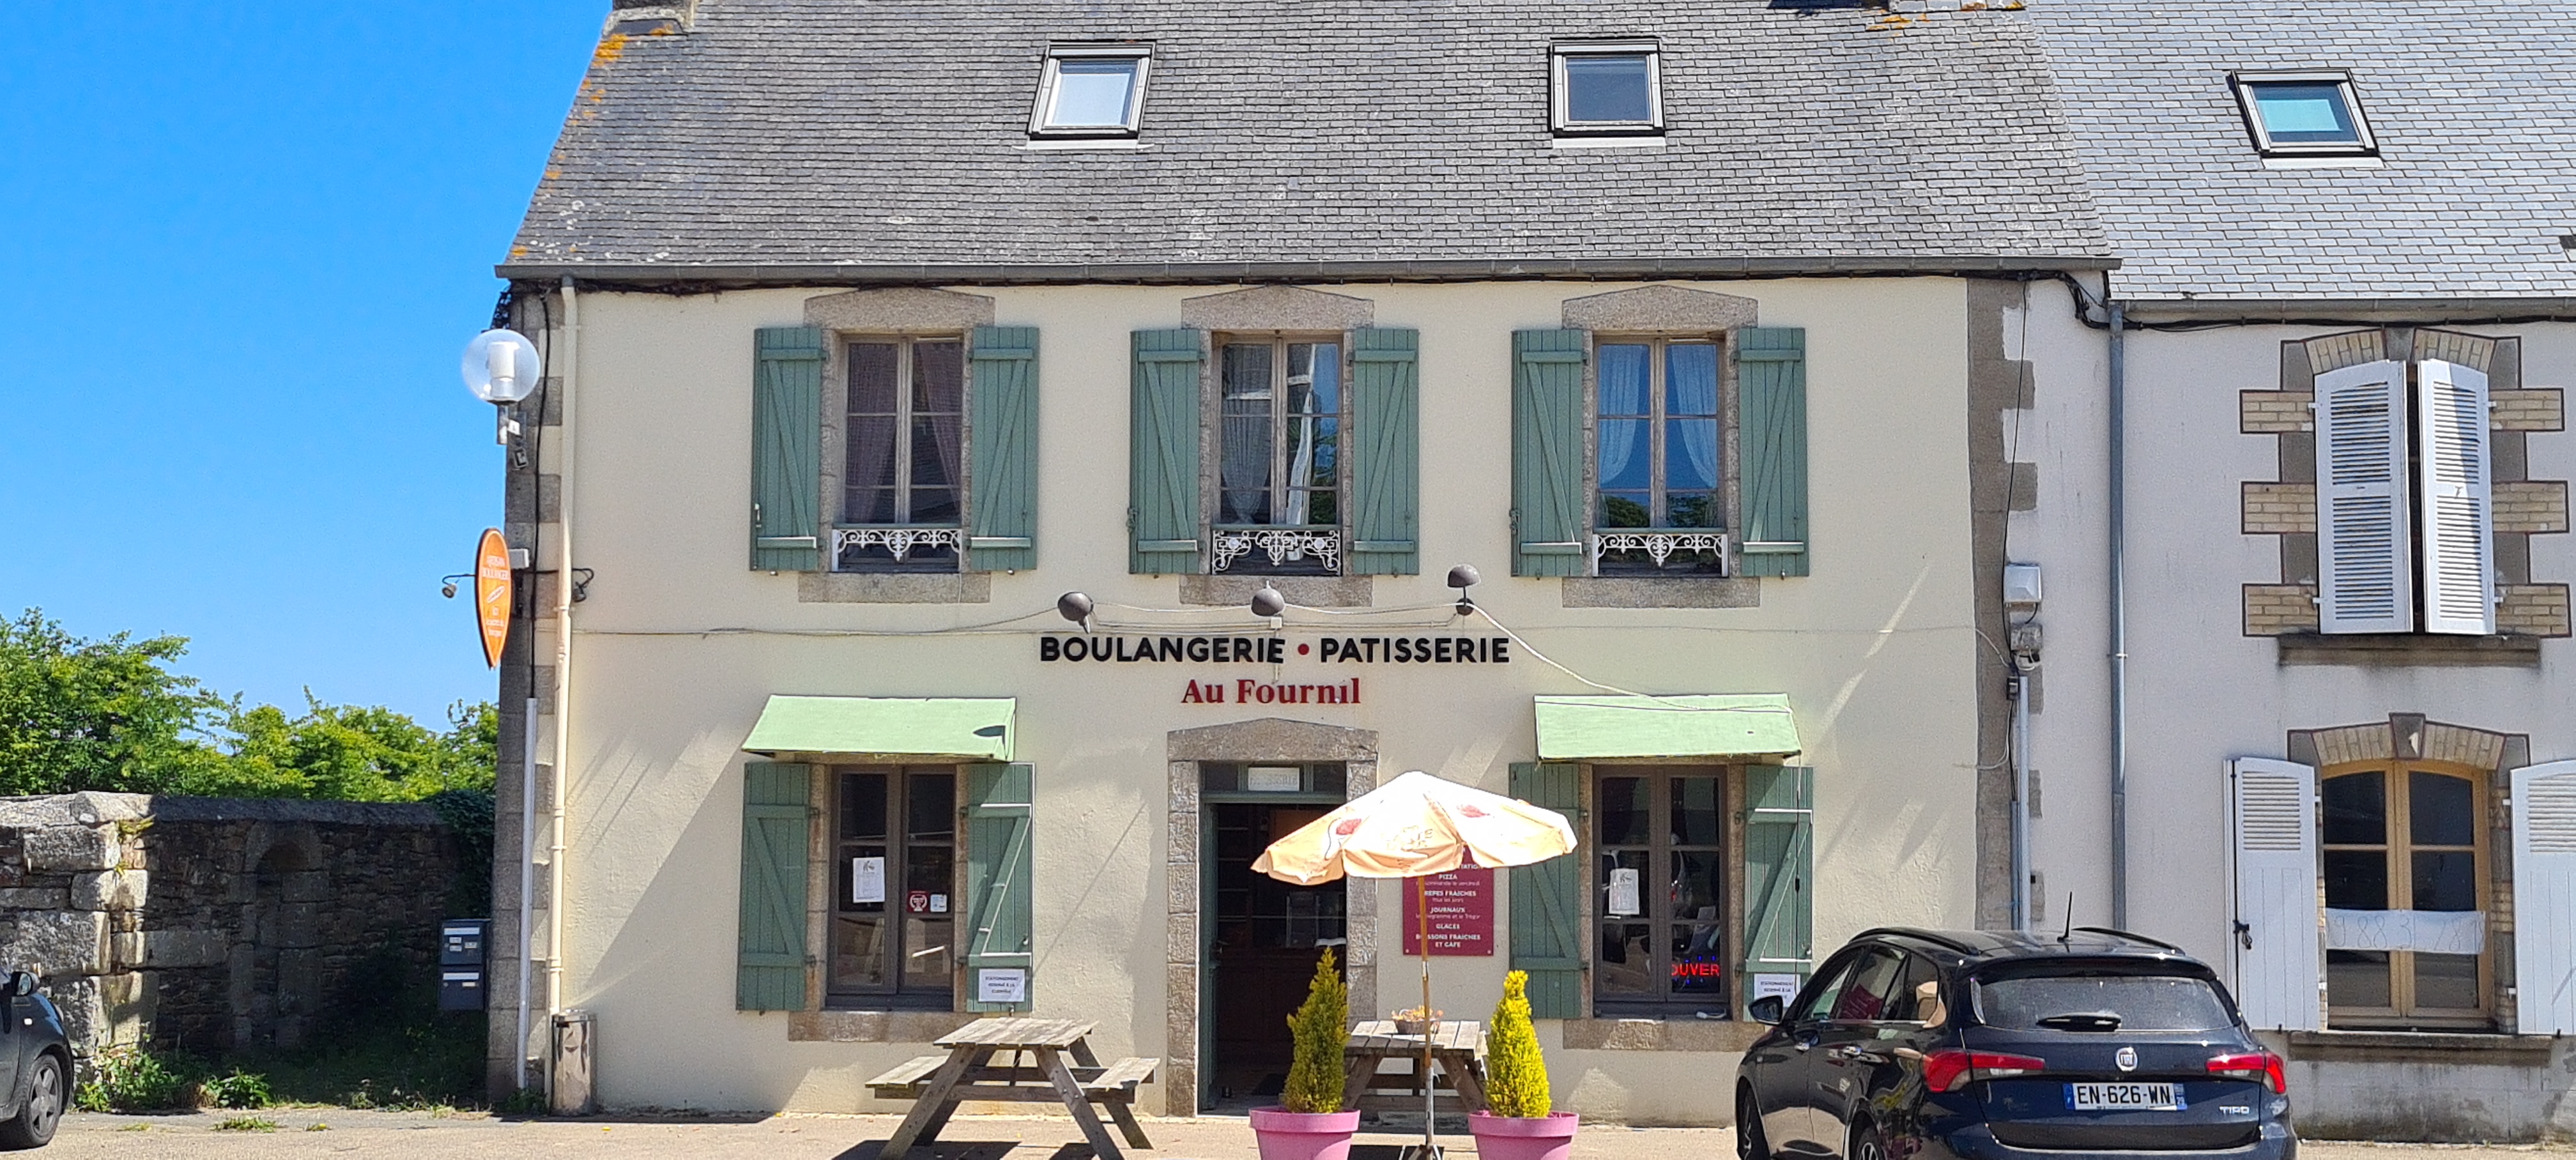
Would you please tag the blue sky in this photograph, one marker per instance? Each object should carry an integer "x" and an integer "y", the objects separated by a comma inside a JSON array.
[{"x": 243, "y": 247}]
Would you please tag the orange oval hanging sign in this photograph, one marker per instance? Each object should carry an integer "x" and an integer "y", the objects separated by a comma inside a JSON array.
[{"x": 492, "y": 594}]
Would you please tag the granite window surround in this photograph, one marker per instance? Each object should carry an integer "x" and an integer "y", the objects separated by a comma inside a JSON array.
[
  {"x": 902, "y": 315},
  {"x": 1658, "y": 314},
  {"x": 2285, "y": 507}
]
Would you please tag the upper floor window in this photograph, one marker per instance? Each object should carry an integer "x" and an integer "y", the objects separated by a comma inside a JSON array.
[
  {"x": 2405, "y": 499},
  {"x": 1091, "y": 91},
  {"x": 2303, "y": 114},
  {"x": 903, "y": 453},
  {"x": 1656, "y": 453},
  {"x": 1279, "y": 419},
  {"x": 1607, "y": 87}
]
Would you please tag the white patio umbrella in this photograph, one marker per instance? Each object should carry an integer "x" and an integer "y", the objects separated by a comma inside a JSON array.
[{"x": 1413, "y": 827}]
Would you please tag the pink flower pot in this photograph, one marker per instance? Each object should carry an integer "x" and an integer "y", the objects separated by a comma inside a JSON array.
[
  {"x": 1548, "y": 1137},
  {"x": 1287, "y": 1135}
]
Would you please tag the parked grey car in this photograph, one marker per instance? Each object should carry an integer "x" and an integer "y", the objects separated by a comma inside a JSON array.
[{"x": 35, "y": 1065}]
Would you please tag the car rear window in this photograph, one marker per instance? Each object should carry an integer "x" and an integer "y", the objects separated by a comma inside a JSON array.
[{"x": 2140, "y": 1003}]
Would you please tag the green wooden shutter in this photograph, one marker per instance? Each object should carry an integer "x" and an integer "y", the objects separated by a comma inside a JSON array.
[
  {"x": 1163, "y": 453},
  {"x": 769, "y": 967},
  {"x": 1549, "y": 512},
  {"x": 1547, "y": 898},
  {"x": 1385, "y": 409},
  {"x": 1771, "y": 365},
  {"x": 787, "y": 449},
  {"x": 1003, "y": 416},
  {"x": 999, "y": 918},
  {"x": 1779, "y": 855}
]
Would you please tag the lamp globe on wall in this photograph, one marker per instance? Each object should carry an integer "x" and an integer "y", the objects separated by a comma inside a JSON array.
[{"x": 502, "y": 367}]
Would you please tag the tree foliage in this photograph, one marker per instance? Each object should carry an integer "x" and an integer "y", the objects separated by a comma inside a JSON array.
[{"x": 112, "y": 715}]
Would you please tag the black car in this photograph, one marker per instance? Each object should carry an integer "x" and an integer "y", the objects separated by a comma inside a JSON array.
[
  {"x": 1915, "y": 1044},
  {"x": 35, "y": 1065}
]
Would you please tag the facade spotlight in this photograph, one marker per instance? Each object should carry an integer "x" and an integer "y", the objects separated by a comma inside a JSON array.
[
  {"x": 1268, "y": 603},
  {"x": 1076, "y": 607},
  {"x": 1462, "y": 578},
  {"x": 447, "y": 584}
]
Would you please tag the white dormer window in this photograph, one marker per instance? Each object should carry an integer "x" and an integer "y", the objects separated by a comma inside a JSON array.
[
  {"x": 2303, "y": 114},
  {"x": 1091, "y": 91},
  {"x": 1606, "y": 87}
]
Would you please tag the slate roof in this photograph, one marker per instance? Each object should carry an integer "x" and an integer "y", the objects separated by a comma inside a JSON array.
[
  {"x": 776, "y": 137},
  {"x": 2473, "y": 103}
]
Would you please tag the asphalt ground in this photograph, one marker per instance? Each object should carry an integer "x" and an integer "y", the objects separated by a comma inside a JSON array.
[{"x": 473, "y": 1136}]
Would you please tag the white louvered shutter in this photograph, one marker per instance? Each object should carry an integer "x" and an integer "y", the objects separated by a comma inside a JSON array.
[
  {"x": 2279, "y": 950},
  {"x": 2456, "y": 483},
  {"x": 2544, "y": 898},
  {"x": 2365, "y": 570}
]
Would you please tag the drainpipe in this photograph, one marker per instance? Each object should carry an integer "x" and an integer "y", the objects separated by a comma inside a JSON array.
[
  {"x": 2021, "y": 798},
  {"x": 563, "y": 661},
  {"x": 2119, "y": 452},
  {"x": 527, "y": 868}
]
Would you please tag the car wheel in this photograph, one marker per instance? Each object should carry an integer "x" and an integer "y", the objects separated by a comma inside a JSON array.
[
  {"x": 34, "y": 1127},
  {"x": 1749, "y": 1143},
  {"x": 1868, "y": 1144}
]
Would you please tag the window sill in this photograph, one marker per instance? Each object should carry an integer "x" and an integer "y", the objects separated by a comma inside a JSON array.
[
  {"x": 894, "y": 588},
  {"x": 873, "y": 1026},
  {"x": 1235, "y": 589},
  {"x": 2396, "y": 649},
  {"x": 1667, "y": 1034},
  {"x": 2325, "y": 162},
  {"x": 1109, "y": 144},
  {"x": 2411, "y": 1046},
  {"x": 1662, "y": 592}
]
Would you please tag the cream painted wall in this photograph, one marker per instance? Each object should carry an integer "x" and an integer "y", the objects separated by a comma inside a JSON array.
[
  {"x": 679, "y": 644},
  {"x": 2200, "y": 691}
]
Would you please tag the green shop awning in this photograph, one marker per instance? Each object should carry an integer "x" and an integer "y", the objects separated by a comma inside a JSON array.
[
  {"x": 1580, "y": 728},
  {"x": 971, "y": 728}
]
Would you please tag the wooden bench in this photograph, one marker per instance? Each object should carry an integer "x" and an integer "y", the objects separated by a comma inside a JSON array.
[
  {"x": 906, "y": 1081},
  {"x": 1115, "y": 1083}
]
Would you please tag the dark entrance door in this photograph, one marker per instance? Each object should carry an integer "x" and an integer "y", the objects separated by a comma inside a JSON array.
[{"x": 1263, "y": 937}]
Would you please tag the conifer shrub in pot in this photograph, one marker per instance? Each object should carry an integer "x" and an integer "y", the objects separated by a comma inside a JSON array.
[
  {"x": 1310, "y": 1124},
  {"x": 1522, "y": 1123}
]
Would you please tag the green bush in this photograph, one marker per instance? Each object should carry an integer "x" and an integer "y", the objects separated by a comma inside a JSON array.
[
  {"x": 134, "y": 1079},
  {"x": 1321, "y": 1028},
  {"x": 235, "y": 1089},
  {"x": 1515, "y": 1072}
]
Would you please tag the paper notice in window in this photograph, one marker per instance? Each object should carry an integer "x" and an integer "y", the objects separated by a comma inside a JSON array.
[
  {"x": 867, "y": 879},
  {"x": 1002, "y": 985},
  {"x": 1623, "y": 892}
]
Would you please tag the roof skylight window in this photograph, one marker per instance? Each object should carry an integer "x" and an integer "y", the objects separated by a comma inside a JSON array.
[
  {"x": 1608, "y": 87},
  {"x": 1091, "y": 92},
  {"x": 2303, "y": 114}
]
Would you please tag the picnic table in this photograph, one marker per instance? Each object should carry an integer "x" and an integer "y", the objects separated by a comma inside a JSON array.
[
  {"x": 1457, "y": 1063},
  {"x": 937, "y": 1084}
]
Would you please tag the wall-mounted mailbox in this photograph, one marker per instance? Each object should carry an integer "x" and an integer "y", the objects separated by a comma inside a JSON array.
[{"x": 460, "y": 963}]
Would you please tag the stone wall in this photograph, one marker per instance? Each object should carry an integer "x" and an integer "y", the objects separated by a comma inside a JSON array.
[{"x": 215, "y": 925}]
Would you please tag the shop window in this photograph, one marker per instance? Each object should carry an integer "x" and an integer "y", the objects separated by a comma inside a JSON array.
[
  {"x": 903, "y": 459},
  {"x": 1660, "y": 896},
  {"x": 1656, "y": 457},
  {"x": 2406, "y": 884},
  {"x": 895, "y": 904},
  {"x": 1280, "y": 419}
]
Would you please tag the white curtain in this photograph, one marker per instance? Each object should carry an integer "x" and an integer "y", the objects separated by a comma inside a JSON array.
[{"x": 2441, "y": 932}]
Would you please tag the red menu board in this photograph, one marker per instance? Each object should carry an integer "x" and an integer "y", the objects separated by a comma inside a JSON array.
[{"x": 1462, "y": 912}]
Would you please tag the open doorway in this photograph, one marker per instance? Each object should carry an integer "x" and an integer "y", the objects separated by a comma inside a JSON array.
[{"x": 1262, "y": 934}]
